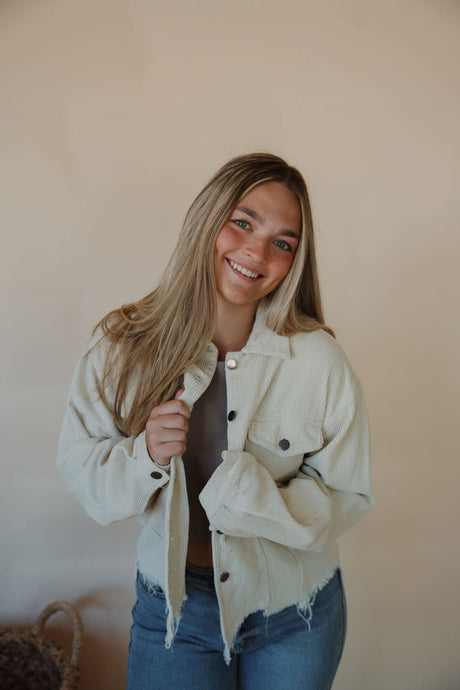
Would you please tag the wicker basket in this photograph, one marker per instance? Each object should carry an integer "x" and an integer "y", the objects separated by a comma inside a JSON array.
[{"x": 28, "y": 661}]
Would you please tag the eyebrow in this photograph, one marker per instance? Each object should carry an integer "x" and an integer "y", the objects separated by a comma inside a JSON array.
[{"x": 253, "y": 214}]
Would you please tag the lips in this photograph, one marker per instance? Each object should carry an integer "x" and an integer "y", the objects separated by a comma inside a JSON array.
[{"x": 242, "y": 270}]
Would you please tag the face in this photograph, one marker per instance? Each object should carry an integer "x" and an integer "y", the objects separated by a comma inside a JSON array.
[{"x": 255, "y": 248}]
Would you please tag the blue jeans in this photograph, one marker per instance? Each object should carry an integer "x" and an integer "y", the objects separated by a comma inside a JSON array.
[{"x": 283, "y": 651}]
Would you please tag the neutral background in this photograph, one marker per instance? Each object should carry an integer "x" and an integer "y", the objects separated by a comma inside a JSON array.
[{"x": 113, "y": 115}]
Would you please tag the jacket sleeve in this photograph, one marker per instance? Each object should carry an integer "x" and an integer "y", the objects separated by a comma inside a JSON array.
[
  {"x": 111, "y": 475},
  {"x": 330, "y": 492}
]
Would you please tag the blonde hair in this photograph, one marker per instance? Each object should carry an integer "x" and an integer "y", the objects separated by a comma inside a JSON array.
[{"x": 152, "y": 342}]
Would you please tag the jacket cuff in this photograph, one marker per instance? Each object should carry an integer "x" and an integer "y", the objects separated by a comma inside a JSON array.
[
  {"x": 159, "y": 474},
  {"x": 217, "y": 490}
]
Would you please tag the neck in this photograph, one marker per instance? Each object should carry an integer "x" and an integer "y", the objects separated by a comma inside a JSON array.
[{"x": 233, "y": 328}]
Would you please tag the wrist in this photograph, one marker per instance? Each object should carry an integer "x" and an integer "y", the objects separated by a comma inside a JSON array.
[{"x": 164, "y": 466}]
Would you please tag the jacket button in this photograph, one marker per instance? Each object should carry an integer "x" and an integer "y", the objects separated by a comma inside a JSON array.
[
  {"x": 224, "y": 577},
  {"x": 231, "y": 363},
  {"x": 155, "y": 475},
  {"x": 284, "y": 444},
  {"x": 231, "y": 415}
]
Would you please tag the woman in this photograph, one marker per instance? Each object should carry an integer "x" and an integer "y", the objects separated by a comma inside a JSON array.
[{"x": 220, "y": 411}]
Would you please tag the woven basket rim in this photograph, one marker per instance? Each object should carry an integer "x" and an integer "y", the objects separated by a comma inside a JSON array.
[{"x": 53, "y": 654}]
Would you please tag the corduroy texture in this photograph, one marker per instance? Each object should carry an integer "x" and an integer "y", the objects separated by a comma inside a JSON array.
[{"x": 295, "y": 476}]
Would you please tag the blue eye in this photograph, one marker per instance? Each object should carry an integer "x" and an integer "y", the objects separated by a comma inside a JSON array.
[
  {"x": 242, "y": 223},
  {"x": 282, "y": 244}
]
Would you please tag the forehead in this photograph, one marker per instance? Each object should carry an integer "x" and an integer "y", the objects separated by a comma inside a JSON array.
[{"x": 274, "y": 203}]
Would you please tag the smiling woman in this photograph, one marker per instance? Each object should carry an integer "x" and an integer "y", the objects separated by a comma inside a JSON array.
[
  {"x": 220, "y": 412},
  {"x": 255, "y": 248}
]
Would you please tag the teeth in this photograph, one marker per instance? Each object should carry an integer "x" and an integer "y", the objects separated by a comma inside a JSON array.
[{"x": 242, "y": 270}]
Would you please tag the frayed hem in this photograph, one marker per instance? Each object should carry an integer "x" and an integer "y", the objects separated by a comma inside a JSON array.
[
  {"x": 305, "y": 610},
  {"x": 171, "y": 629},
  {"x": 172, "y": 624}
]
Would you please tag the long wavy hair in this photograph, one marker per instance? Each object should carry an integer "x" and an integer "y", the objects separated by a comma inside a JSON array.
[{"x": 152, "y": 342}]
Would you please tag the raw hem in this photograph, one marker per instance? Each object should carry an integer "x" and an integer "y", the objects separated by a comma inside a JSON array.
[
  {"x": 172, "y": 618},
  {"x": 172, "y": 623},
  {"x": 304, "y": 609}
]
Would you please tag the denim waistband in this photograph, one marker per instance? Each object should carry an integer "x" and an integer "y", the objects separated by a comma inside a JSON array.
[
  {"x": 201, "y": 578},
  {"x": 196, "y": 577}
]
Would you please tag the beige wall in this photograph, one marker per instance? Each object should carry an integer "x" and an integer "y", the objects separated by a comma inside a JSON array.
[{"x": 113, "y": 114}]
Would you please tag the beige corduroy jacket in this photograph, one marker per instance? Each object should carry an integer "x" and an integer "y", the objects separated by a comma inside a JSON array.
[{"x": 294, "y": 478}]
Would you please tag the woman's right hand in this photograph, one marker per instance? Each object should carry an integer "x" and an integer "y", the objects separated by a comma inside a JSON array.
[{"x": 166, "y": 430}]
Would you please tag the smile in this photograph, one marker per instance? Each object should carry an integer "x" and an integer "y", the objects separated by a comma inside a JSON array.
[{"x": 244, "y": 271}]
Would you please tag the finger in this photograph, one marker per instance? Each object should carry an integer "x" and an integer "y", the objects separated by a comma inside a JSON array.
[
  {"x": 163, "y": 452},
  {"x": 171, "y": 407},
  {"x": 162, "y": 435},
  {"x": 168, "y": 421},
  {"x": 179, "y": 393}
]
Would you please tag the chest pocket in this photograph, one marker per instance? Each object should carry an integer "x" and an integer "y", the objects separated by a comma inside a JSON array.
[{"x": 281, "y": 446}]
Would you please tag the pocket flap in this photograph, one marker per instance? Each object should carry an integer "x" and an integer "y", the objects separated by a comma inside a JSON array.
[{"x": 285, "y": 438}]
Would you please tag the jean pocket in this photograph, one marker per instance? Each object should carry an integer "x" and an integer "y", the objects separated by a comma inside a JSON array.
[{"x": 151, "y": 588}]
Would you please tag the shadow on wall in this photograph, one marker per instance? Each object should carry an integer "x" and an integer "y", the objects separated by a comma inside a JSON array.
[{"x": 104, "y": 652}]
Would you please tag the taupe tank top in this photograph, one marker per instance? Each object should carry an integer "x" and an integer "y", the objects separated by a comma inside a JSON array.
[{"x": 206, "y": 439}]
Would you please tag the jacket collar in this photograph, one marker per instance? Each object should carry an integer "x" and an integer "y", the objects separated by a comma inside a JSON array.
[{"x": 263, "y": 340}]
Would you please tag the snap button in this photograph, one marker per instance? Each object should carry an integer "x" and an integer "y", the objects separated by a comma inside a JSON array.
[
  {"x": 284, "y": 444},
  {"x": 224, "y": 577},
  {"x": 231, "y": 363},
  {"x": 155, "y": 475},
  {"x": 231, "y": 415}
]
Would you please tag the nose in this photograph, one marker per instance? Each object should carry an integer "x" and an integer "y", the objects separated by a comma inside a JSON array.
[{"x": 256, "y": 248}]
